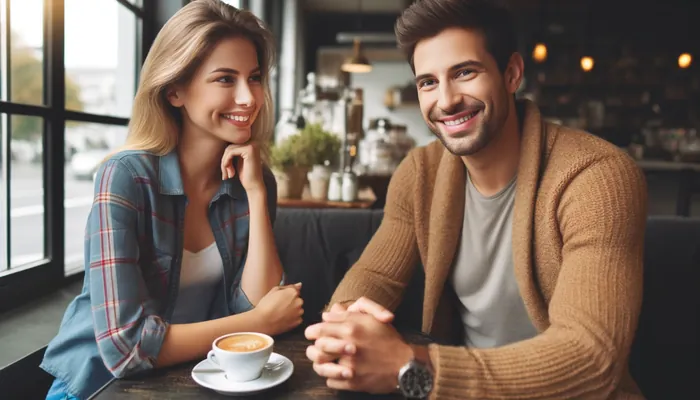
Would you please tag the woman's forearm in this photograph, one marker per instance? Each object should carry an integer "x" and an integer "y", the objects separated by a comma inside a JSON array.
[
  {"x": 187, "y": 342},
  {"x": 263, "y": 269}
]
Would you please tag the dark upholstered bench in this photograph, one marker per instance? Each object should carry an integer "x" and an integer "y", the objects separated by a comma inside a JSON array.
[{"x": 318, "y": 246}]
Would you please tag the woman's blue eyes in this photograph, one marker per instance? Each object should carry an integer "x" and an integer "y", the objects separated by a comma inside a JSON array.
[{"x": 231, "y": 79}]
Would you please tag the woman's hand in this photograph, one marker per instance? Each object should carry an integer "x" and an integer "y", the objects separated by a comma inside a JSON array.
[
  {"x": 281, "y": 308},
  {"x": 248, "y": 165}
]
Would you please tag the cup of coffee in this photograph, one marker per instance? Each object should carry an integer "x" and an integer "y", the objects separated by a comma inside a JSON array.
[{"x": 241, "y": 356}]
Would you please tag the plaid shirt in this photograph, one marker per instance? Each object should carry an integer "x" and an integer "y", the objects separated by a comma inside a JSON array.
[{"x": 133, "y": 254}]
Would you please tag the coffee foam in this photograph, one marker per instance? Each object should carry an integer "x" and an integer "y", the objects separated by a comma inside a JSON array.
[{"x": 242, "y": 343}]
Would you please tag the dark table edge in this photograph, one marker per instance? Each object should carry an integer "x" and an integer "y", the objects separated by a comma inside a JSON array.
[{"x": 94, "y": 395}]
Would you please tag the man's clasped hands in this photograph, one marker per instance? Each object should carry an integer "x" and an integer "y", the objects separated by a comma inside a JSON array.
[{"x": 356, "y": 348}]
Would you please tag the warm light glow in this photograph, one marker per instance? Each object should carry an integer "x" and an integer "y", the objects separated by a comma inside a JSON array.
[
  {"x": 684, "y": 60},
  {"x": 356, "y": 68},
  {"x": 539, "y": 54},
  {"x": 587, "y": 63}
]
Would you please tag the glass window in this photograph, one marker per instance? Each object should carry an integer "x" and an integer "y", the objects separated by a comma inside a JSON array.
[
  {"x": 3, "y": 193},
  {"x": 87, "y": 144},
  {"x": 26, "y": 194},
  {"x": 26, "y": 72},
  {"x": 101, "y": 57},
  {"x": 235, "y": 3}
]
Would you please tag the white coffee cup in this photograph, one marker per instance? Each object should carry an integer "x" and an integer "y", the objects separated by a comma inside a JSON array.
[{"x": 242, "y": 356}]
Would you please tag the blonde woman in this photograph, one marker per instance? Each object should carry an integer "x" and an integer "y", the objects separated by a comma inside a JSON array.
[{"x": 179, "y": 247}]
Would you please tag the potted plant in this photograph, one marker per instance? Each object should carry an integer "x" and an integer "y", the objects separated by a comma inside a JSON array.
[
  {"x": 295, "y": 156},
  {"x": 326, "y": 151}
]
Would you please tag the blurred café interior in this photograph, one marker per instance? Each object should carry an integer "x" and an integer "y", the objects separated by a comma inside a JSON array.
[{"x": 346, "y": 114}]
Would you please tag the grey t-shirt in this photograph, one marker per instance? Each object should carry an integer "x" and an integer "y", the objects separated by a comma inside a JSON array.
[{"x": 483, "y": 277}]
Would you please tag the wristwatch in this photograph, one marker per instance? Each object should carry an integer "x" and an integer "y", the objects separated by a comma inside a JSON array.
[{"x": 415, "y": 379}]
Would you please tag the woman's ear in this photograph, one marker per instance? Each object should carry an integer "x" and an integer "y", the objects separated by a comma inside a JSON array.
[{"x": 175, "y": 97}]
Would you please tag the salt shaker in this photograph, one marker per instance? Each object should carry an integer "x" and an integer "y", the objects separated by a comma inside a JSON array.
[
  {"x": 349, "y": 186},
  {"x": 335, "y": 187}
]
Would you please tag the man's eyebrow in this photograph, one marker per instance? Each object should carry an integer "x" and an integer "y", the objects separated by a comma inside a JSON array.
[{"x": 468, "y": 63}]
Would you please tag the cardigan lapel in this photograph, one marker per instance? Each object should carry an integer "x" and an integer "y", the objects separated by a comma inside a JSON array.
[
  {"x": 445, "y": 229},
  {"x": 529, "y": 169}
]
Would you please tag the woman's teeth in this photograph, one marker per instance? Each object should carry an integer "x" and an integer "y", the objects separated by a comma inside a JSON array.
[
  {"x": 240, "y": 118},
  {"x": 461, "y": 120}
]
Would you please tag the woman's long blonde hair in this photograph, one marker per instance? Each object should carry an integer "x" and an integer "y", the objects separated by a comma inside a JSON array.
[{"x": 176, "y": 54}]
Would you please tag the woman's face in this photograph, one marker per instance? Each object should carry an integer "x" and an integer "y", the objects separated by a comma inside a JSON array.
[{"x": 225, "y": 95}]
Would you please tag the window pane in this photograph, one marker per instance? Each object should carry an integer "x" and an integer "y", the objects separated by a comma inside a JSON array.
[
  {"x": 235, "y": 3},
  {"x": 26, "y": 72},
  {"x": 4, "y": 139},
  {"x": 101, "y": 60},
  {"x": 87, "y": 145},
  {"x": 26, "y": 190}
]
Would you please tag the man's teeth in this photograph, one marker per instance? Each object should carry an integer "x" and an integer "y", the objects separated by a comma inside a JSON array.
[
  {"x": 241, "y": 118},
  {"x": 461, "y": 120}
]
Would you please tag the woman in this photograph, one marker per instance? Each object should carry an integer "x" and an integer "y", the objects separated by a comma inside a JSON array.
[{"x": 179, "y": 247}]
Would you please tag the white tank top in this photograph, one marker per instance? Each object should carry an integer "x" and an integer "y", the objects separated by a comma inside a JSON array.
[{"x": 200, "y": 277}]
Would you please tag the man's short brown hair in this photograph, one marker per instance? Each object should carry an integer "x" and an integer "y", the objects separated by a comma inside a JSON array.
[{"x": 427, "y": 18}]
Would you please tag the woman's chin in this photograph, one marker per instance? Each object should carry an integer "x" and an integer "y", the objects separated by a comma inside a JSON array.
[{"x": 241, "y": 137}]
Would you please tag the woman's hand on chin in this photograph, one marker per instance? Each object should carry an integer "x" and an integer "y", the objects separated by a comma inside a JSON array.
[{"x": 248, "y": 165}]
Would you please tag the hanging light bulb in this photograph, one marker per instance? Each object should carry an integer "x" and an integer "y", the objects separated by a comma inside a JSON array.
[
  {"x": 684, "y": 60},
  {"x": 539, "y": 53},
  {"x": 587, "y": 63},
  {"x": 357, "y": 63}
]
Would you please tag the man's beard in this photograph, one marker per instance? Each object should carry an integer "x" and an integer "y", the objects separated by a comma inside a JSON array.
[{"x": 466, "y": 143}]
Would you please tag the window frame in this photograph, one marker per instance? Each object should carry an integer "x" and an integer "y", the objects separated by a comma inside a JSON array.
[{"x": 20, "y": 285}]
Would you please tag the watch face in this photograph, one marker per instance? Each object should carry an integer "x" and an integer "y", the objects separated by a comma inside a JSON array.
[{"x": 416, "y": 382}]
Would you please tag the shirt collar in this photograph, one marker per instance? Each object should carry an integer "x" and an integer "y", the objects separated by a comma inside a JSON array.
[{"x": 171, "y": 180}]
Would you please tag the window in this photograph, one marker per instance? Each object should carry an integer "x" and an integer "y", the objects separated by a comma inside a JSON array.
[
  {"x": 101, "y": 80},
  {"x": 68, "y": 75},
  {"x": 90, "y": 144},
  {"x": 26, "y": 190},
  {"x": 235, "y": 3}
]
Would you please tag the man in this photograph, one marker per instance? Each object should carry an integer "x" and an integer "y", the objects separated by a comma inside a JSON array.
[{"x": 530, "y": 233}]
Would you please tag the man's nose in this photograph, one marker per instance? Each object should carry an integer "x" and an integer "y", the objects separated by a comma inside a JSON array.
[{"x": 448, "y": 97}]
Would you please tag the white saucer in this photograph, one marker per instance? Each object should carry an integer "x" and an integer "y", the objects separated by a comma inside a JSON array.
[{"x": 216, "y": 380}]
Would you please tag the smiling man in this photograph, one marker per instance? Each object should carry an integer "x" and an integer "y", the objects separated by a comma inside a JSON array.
[{"x": 530, "y": 233}]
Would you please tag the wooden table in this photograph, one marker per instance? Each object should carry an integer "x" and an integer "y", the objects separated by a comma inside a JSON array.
[{"x": 176, "y": 382}]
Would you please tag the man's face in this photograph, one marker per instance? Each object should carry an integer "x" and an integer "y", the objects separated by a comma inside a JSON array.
[{"x": 464, "y": 97}]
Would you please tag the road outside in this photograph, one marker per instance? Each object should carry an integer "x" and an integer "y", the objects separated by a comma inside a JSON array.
[{"x": 27, "y": 216}]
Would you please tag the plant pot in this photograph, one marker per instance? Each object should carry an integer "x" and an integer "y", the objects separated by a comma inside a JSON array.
[
  {"x": 319, "y": 177},
  {"x": 291, "y": 182}
]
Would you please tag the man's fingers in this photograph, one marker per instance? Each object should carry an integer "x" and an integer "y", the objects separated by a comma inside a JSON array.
[
  {"x": 331, "y": 329},
  {"x": 340, "y": 384},
  {"x": 333, "y": 371},
  {"x": 367, "y": 306},
  {"x": 337, "y": 307},
  {"x": 335, "y": 316},
  {"x": 314, "y": 354},
  {"x": 335, "y": 346}
]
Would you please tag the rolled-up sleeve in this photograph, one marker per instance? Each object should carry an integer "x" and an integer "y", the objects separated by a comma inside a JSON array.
[{"x": 128, "y": 331}]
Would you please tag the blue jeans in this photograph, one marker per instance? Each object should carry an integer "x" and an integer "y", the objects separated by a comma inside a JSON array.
[{"x": 58, "y": 392}]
